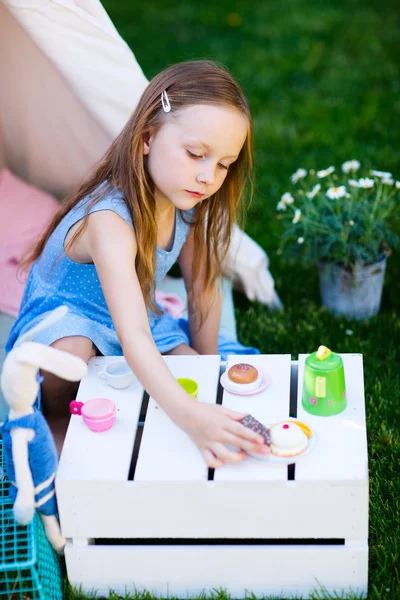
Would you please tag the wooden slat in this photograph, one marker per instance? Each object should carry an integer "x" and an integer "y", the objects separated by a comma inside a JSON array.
[
  {"x": 207, "y": 509},
  {"x": 179, "y": 571},
  {"x": 267, "y": 406},
  {"x": 166, "y": 452},
  {"x": 341, "y": 450},
  {"x": 105, "y": 456}
]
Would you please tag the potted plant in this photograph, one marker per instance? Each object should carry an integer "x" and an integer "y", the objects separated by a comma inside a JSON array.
[{"x": 343, "y": 221}]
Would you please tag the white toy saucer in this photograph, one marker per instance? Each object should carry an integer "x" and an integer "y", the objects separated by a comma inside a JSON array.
[{"x": 265, "y": 381}]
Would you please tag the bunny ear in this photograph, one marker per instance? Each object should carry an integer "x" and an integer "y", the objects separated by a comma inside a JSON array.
[
  {"x": 63, "y": 364},
  {"x": 56, "y": 315}
]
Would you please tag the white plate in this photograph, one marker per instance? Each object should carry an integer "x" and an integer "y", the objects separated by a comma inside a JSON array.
[
  {"x": 265, "y": 381},
  {"x": 272, "y": 459}
]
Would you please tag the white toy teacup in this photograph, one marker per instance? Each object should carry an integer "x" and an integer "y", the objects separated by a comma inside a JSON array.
[{"x": 118, "y": 374}]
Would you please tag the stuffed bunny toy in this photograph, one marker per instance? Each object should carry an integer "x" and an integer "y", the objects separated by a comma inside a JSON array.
[{"x": 29, "y": 448}]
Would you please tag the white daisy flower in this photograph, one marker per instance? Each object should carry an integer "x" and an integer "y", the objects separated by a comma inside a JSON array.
[
  {"x": 314, "y": 191},
  {"x": 350, "y": 165},
  {"x": 325, "y": 172},
  {"x": 366, "y": 183},
  {"x": 287, "y": 198},
  {"x": 351, "y": 223},
  {"x": 381, "y": 174},
  {"x": 300, "y": 174},
  {"x": 387, "y": 181},
  {"x": 397, "y": 185},
  {"x": 353, "y": 183},
  {"x": 336, "y": 192},
  {"x": 300, "y": 240},
  {"x": 297, "y": 216},
  {"x": 281, "y": 205}
]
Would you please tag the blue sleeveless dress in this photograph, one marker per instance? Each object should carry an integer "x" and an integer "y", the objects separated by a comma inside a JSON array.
[{"x": 55, "y": 280}]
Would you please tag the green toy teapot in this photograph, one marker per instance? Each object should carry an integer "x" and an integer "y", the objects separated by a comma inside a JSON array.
[{"x": 324, "y": 390}]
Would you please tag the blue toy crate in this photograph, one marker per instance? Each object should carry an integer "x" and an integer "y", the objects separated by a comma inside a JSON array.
[{"x": 29, "y": 568}]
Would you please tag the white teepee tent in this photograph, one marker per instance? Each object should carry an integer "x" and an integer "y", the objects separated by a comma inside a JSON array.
[{"x": 68, "y": 84}]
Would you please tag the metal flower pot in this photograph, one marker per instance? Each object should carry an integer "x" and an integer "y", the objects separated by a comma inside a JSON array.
[{"x": 355, "y": 293}]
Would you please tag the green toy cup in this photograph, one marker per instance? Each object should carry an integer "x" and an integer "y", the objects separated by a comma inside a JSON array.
[
  {"x": 190, "y": 386},
  {"x": 324, "y": 389}
]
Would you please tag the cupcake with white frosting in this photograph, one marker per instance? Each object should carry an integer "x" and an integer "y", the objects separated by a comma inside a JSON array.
[{"x": 287, "y": 439}]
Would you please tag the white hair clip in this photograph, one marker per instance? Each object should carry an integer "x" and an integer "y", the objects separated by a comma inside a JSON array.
[{"x": 165, "y": 102}]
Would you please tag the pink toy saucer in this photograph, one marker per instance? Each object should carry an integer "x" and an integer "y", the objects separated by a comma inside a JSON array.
[{"x": 265, "y": 381}]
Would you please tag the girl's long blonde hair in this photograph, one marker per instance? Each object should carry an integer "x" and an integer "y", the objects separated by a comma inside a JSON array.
[{"x": 123, "y": 166}]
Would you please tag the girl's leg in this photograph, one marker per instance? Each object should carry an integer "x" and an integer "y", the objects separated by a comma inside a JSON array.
[{"x": 57, "y": 393}]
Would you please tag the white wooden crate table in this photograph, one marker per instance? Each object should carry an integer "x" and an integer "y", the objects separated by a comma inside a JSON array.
[{"x": 159, "y": 519}]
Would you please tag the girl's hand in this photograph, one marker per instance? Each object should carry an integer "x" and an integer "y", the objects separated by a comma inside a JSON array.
[{"x": 211, "y": 426}]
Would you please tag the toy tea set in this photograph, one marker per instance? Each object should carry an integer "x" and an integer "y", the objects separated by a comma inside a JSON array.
[
  {"x": 323, "y": 395},
  {"x": 99, "y": 413}
]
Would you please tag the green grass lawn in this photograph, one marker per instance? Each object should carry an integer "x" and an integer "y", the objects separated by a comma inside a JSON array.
[{"x": 323, "y": 82}]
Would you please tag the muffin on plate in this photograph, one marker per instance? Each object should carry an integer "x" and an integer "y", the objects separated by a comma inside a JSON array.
[{"x": 243, "y": 377}]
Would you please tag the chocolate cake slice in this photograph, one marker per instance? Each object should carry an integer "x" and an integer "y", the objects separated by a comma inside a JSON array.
[{"x": 254, "y": 425}]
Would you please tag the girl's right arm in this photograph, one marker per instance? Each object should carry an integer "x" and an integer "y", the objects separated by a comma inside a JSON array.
[{"x": 112, "y": 247}]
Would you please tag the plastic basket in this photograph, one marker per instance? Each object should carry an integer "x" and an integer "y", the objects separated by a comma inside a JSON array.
[{"x": 29, "y": 567}]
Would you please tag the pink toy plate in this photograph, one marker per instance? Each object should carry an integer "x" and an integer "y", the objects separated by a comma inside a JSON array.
[{"x": 265, "y": 381}]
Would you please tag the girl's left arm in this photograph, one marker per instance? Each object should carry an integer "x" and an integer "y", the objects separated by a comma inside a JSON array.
[{"x": 203, "y": 336}]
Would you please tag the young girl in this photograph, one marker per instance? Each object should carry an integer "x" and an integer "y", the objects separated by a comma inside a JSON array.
[{"x": 168, "y": 189}]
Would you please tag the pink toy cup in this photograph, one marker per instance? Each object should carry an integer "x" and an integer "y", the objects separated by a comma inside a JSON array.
[{"x": 98, "y": 414}]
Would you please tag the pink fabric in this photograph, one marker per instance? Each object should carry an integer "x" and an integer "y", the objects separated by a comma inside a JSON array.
[
  {"x": 25, "y": 212},
  {"x": 171, "y": 303}
]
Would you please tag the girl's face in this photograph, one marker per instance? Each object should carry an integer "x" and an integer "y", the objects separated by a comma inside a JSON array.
[{"x": 189, "y": 157}]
